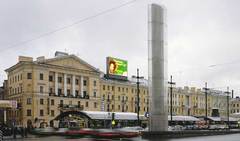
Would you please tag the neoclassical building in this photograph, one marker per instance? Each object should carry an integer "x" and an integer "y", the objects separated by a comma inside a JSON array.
[{"x": 45, "y": 88}]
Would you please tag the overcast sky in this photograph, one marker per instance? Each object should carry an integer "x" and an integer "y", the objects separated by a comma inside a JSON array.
[{"x": 203, "y": 36}]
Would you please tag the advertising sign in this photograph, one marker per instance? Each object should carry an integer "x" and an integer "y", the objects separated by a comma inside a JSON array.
[{"x": 117, "y": 67}]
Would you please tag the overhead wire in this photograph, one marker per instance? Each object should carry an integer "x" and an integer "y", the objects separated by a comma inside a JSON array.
[{"x": 67, "y": 26}]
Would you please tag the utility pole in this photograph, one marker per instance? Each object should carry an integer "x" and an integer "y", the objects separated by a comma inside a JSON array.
[
  {"x": 171, "y": 97},
  {"x": 232, "y": 93},
  {"x": 138, "y": 91},
  {"x": 227, "y": 93},
  {"x": 206, "y": 105}
]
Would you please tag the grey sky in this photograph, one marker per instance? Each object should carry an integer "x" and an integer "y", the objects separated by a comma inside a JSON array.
[{"x": 200, "y": 33}]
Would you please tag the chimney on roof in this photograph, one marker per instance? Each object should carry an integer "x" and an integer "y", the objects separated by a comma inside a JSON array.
[
  {"x": 60, "y": 54},
  {"x": 24, "y": 59}
]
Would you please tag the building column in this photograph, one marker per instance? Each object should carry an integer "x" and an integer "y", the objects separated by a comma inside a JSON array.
[
  {"x": 65, "y": 84},
  {"x": 56, "y": 83},
  {"x": 81, "y": 86},
  {"x": 73, "y": 85}
]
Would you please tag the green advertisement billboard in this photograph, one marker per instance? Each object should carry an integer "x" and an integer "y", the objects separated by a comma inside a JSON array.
[{"x": 117, "y": 67}]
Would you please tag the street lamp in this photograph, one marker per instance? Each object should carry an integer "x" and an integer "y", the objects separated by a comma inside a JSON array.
[
  {"x": 227, "y": 93},
  {"x": 138, "y": 107},
  {"x": 171, "y": 96},
  {"x": 206, "y": 107}
]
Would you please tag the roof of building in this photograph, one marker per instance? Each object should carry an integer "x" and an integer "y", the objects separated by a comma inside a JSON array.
[
  {"x": 222, "y": 118},
  {"x": 108, "y": 115},
  {"x": 183, "y": 118}
]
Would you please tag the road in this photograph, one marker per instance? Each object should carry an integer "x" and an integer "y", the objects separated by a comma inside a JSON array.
[{"x": 232, "y": 137}]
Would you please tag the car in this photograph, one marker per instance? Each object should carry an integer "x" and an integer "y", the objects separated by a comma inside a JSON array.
[{"x": 132, "y": 129}]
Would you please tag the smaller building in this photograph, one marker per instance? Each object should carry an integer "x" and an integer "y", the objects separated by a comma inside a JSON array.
[{"x": 235, "y": 107}]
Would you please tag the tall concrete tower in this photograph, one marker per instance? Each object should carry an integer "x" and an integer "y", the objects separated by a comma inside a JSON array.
[{"x": 157, "y": 68}]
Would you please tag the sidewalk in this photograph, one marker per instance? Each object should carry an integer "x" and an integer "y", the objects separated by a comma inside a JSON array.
[{"x": 18, "y": 137}]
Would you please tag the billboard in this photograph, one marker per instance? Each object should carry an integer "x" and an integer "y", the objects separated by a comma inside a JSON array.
[{"x": 117, "y": 67}]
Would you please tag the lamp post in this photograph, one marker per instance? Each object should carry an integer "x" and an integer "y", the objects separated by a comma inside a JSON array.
[
  {"x": 171, "y": 96},
  {"x": 206, "y": 90},
  {"x": 227, "y": 93},
  {"x": 138, "y": 91}
]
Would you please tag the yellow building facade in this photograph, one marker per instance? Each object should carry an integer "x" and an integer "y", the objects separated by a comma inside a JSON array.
[{"x": 45, "y": 88}]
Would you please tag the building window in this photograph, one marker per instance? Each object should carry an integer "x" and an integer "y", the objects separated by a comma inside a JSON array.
[
  {"x": 94, "y": 83},
  {"x": 112, "y": 97},
  {"x": 118, "y": 107},
  {"x": 113, "y": 107},
  {"x": 76, "y": 92},
  {"x": 41, "y": 76},
  {"x": 52, "y": 113},
  {"x": 108, "y": 87},
  {"x": 41, "y": 89},
  {"x": 21, "y": 77},
  {"x": 103, "y": 87},
  {"x": 118, "y": 98},
  {"x": 68, "y": 80},
  {"x": 86, "y": 105},
  {"x": 52, "y": 101},
  {"x": 59, "y": 79},
  {"x": 76, "y": 82},
  {"x": 61, "y": 102},
  {"x": 59, "y": 91},
  {"x": 50, "y": 78},
  {"x": 112, "y": 88},
  {"x": 95, "y": 104},
  {"x": 29, "y": 101},
  {"x": 119, "y": 89},
  {"x": 41, "y": 101},
  {"x": 84, "y": 93},
  {"x": 68, "y": 92},
  {"x": 50, "y": 90},
  {"x": 84, "y": 82},
  {"x": 29, "y": 112},
  {"x": 29, "y": 75},
  {"x": 94, "y": 94},
  {"x": 41, "y": 112}
]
